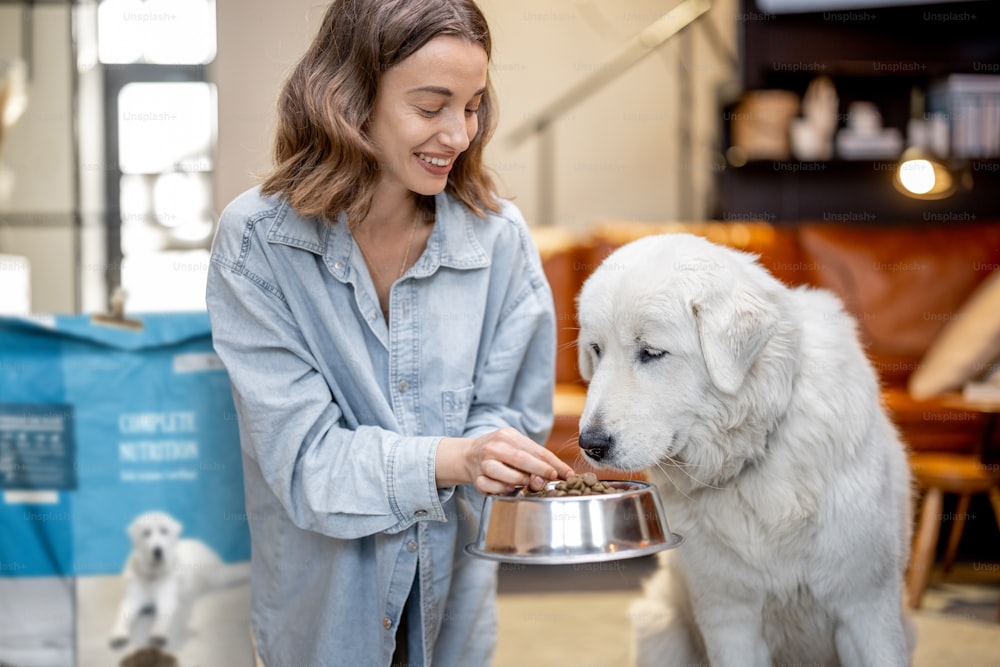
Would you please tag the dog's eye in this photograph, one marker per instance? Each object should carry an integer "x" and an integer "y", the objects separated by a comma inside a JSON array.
[
  {"x": 596, "y": 349},
  {"x": 648, "y": 354}
]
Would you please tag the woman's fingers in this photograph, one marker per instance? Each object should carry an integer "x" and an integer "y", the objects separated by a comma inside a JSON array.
[
  {"x": 524, "y": 461},
  {"x": 490, "y": 486}
]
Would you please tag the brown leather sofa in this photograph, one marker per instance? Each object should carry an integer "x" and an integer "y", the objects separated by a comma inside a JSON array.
[{"x": 902, "y": 283}]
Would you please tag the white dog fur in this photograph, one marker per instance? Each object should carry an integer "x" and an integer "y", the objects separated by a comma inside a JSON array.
[
  {"x": 164, "y": 575},
  {"x": 753, "y": 408}
]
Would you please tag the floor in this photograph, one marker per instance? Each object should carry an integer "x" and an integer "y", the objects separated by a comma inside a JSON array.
[
  {"x": 556, "y": 615},
  {"x": 578, "y": 615}
]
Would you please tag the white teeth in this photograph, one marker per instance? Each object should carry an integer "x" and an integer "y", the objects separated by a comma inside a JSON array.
[{"x": 436, "y": 161}]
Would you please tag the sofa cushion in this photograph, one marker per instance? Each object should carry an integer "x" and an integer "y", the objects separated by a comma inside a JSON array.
[
  {"x": 903, "y": 284},
  {"x": 965, "y": 348},
  {"x": 776, "y": 246},
  {"x": 934, "y": 425},
  {"x": 562, "y": 255}
]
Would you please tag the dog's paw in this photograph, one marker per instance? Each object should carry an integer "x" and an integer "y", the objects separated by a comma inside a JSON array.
[
  {"x": 159, "y": 641},
  {"x": 118, "y": 641}
]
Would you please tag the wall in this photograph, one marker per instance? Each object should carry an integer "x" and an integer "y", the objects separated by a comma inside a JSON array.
[
  {"x": 617, "y": 153},
  {"x": 36, "y": 214}
]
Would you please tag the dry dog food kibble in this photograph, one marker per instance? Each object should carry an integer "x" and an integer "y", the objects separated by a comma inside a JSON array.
[{"x": 586, "y": 484}]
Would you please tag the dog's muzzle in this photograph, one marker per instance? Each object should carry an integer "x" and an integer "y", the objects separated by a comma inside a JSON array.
[{"x": 596, "y": 443}]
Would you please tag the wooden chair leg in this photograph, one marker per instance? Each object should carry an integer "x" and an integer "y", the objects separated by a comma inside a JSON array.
[
  {"x": 924, "y": 546},
  {"x": 995, "y": 501},
  {"x": 994, "y": 494},
  {"x": 957, "y": 526}
]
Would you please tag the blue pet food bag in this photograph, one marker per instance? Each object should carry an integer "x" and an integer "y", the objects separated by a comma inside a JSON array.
[{"x": 100, "y": 425}]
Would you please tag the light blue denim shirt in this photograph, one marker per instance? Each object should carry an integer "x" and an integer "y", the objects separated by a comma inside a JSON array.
[{"x": 340, "y": 416}]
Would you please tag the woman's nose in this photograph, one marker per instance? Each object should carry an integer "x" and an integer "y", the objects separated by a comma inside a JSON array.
[{"x": 456, "y": 132}]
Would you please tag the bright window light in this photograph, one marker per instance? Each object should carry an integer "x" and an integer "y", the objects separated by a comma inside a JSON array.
[
  {"x": 166, "y": 281},
  {"x": 135, "y": 203},
  {"x": 180, "y": 199},
  {"x": 166, "y": 127},
  {"x": 119, "y": 40},
  {"x": 165, "y": 32}
]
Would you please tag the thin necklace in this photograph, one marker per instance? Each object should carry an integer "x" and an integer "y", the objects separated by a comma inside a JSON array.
[{"x": 406, "y": 255}]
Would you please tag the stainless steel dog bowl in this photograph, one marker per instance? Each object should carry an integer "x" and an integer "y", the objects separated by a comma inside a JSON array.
[{"x": 520, "y": 528}]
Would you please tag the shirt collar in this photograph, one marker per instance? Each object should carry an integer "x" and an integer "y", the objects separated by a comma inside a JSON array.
[{"x": 452, "y": 243}]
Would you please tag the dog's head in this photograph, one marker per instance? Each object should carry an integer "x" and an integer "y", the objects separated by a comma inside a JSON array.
[
  {"x": 672, "y": 341},
  {"x": 154, "y": 537}
]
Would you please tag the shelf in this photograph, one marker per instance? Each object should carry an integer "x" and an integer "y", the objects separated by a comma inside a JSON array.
[
  {"x": 938, "y": 39},
  {"x": 847, "y": 191},
  {"x": 875, "y": 54}
]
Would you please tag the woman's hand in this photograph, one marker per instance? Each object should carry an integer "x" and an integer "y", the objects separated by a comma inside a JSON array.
[{"x": 497, "y": 462}]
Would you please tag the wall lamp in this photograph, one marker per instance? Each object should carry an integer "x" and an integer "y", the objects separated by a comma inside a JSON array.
[{"x": 923, "y": 175}]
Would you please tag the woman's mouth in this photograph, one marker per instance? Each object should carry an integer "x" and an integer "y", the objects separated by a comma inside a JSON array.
[{"x": 435, "y": 161}]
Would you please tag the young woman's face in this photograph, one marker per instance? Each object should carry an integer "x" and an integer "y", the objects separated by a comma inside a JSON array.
[{"x": 425, "y": 113}]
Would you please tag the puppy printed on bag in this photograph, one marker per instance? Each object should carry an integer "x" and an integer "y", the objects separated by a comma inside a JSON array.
[{"x": 164, "y": 576}]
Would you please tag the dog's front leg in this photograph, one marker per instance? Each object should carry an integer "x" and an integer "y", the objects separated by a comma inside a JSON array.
[
  {"x": 123, "y": 623},
  {"x": 733, "y": 634},
  {"x": 167, "y": 603},
  {"x": 872, "y": 632}
]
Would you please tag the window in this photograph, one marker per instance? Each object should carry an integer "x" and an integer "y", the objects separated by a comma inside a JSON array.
[{"x": 160, "y": 137}]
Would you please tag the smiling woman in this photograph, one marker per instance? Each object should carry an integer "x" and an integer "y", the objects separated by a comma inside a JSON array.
[
  {"x": 390, "y": 339},
  {"x": 324, "y": 119}
]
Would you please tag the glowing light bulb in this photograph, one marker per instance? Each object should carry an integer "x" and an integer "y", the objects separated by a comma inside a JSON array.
[{"x": 917, "y": 176}]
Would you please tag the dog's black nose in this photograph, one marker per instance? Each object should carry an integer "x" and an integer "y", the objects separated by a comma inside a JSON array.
[
  {"x": 157, "y": 553},
  {"x": 596, "y": 443}
]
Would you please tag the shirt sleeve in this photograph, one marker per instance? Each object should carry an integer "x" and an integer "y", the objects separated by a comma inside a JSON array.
[
  {"x": 292, "y": 427},
  {"x": 517, "y": 382}
]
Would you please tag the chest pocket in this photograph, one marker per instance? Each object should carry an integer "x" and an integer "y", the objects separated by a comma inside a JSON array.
[{"x": 455, "y": 408}]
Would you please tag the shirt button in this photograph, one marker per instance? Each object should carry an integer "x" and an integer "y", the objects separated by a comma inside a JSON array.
[
  {"x": 420, "y": 514},
  {"x": 386, "y": 622},
  {"x": 403, "y": 386},
  {"x": 411, "y": 546},
  {"x": 339, "y": 266}
]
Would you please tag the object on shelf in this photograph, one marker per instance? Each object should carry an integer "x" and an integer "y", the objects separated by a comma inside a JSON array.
[
  {"x": 864, "y": 138},
  {"x": 760, "y": 124},
  {"x": 812, "y": 134},
  {"x": 972, "y": 103},
  {"x": 930, "y": 133}
]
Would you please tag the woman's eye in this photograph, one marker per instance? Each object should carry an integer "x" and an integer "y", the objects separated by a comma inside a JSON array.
[
  {"x": 648, "y": 354},
  {"x": 429, "y": 113},
  {"x": 596, "y": 349},
  {"x": 471, "y": 112}
]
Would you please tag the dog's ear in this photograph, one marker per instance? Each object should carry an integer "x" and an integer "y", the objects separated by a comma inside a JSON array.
[
  {"x": 174, "y": 525},
  {"x": 733, "y": 329},
  {"x": 132, "y": 530}
]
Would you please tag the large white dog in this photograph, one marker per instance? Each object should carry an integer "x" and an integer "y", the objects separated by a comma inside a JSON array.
[
  {"x": 754, "y": 410},
  {"x": 164, "y": 575}
]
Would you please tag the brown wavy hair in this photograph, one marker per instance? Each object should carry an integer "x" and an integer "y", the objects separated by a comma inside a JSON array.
[{"x": 324, "y": 159}]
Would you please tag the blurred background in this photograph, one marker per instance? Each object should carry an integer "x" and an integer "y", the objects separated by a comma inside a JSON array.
[
  {"x": 853, "y": 144},
  {"x": 139, "y": 119},
  {"x": 129, "y": 124}
]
